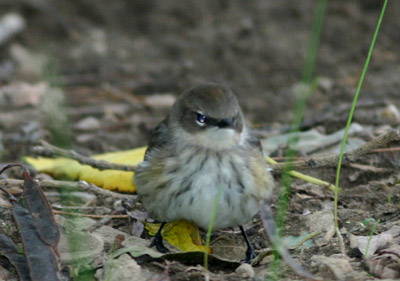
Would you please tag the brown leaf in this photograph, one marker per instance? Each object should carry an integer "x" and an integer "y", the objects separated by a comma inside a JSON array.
[
  {"x": 380, "y": 241},
  {"x": 385, "y": 264}
]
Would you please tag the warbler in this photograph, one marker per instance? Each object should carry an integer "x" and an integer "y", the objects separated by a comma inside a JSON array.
[{"x": 201, "y": 148}]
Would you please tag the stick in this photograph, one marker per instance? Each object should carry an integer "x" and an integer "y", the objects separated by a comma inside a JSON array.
[
  {"x": 349, "y": 157},
  {"x": 318, "y": 162},
  {"x": 80, "y": 185},
  {"x": 130, "y": 99},
  {"x": 49, "y": 150},
  {"x": 108, "y": 217}
]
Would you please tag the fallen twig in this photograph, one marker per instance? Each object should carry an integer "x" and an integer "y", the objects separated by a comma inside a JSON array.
[
  {"x": 305, "y": 239},
  {"x": 132, "y": 100},
  {"x": 349, "y": 157},
  {"x": 339, "y": 113},
  {"x": 50, "y": 150},
  {"x": 103, "y": 221},
  {"x": 75, "y": 185},
  {"x": 90, "y": 215},
  {"x": 317, "y": 162},
  {"x": 389, "y": 149}
]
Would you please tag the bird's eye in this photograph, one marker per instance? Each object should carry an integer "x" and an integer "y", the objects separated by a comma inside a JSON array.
[{"x": 201, "y": 119}]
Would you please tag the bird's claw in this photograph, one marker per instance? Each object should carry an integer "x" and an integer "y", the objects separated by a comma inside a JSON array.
[
  {"x": 158, "y": 242},
  {"x": 249, "y": 255}
]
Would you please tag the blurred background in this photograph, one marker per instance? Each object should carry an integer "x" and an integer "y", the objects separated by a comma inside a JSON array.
[{"x": 99, "y": 75}]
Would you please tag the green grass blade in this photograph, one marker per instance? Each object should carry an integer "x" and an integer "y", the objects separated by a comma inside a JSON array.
[
  {"x": 370, "y": 238},
  {"x": 346, "y": 132},
  {"x": 312, "y": 49},
  {"x": 302, "y": 95},
  {"x": 301, "y": 99},
  {"x": 210, "y": 226}
]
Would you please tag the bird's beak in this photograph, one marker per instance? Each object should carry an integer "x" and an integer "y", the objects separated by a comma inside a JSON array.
[{"x": 225, "y": 123}]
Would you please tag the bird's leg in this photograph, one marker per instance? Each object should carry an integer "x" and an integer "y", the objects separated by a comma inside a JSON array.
[
  {"x": 250, "y": 250},
  {"x": 158, "y": 241}
]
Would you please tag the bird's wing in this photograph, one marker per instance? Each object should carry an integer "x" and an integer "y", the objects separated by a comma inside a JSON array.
[
  {"x": 158, "y": 138},
  {"x": 254, "y": 141}
]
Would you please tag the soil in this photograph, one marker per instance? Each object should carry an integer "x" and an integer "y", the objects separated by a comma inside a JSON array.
[{"x": 114, "y": 68}]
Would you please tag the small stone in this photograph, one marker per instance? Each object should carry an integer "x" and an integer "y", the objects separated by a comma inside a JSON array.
[
  {"x": 325, "y": 84},
  {"x": 245, "y": 270},
  {"x": 390, "y": 114},
  {"x": 10, "y": 24},
  {"x": 337, "y": 265},
  {"x": 123, "y": 268},
  {"x": 22, "y": 94},
  {"x": 29, "y": 65},
  {"x": 160, "y": 101},
  {"x": 89, "y": 123}
]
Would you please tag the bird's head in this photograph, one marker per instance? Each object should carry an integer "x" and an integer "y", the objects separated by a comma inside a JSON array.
[{"x": 208, "y": 116}]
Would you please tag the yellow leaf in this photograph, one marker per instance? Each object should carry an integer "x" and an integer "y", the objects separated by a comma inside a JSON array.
[
  {"x": 63, "y": 168},
  {"x": 181, "y": 233}
]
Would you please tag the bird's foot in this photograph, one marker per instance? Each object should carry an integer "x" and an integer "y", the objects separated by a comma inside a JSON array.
[
  {"x": 249, "y": 255},
  {"x": 158, "y": 242}
]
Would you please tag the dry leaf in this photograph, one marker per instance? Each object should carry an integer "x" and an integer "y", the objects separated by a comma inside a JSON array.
[
  {"x": 383, "y": 259},
  {"x": 378, "y": 242},
  {"x": 63, "y": 168},
  {"x": 385, "y": 264},
  {"x": 183, "y": 234}
]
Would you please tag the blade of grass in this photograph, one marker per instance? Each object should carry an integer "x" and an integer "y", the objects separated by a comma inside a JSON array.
[
  {"x": 210, "y": 227},
  {"x": 301, "y": 99},
  {"x": 312, "y": 49},
  {"x": 370, "y": 238},
  {"x": 304, "y": 92},
  {"x": 346, "y": 132}
]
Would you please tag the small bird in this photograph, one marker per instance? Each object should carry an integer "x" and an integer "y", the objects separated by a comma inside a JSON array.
[{"x": 202, "y": 146}]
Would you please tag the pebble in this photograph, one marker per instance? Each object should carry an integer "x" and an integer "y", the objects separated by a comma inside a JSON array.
[
  {"x": 391, "y": 114},
  {"x": 245, "y": 270}
]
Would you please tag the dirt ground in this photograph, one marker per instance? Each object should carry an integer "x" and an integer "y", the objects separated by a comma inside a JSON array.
[{"x": 111, "y": 70}]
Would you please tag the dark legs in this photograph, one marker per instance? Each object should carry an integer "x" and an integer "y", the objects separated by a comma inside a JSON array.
[
  {"x": 250, "y": 251},
  {"x": 158, "y": 241}
]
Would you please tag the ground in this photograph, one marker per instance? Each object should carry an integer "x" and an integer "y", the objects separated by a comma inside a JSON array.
[{"x": 97, "y": 76}]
